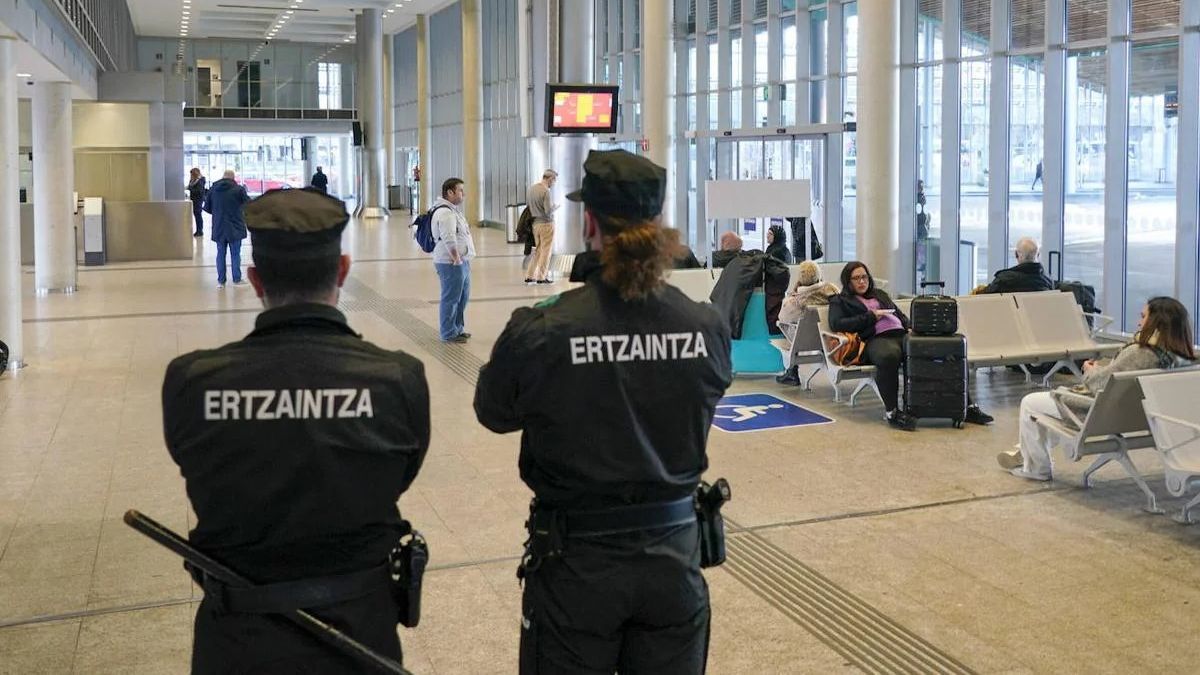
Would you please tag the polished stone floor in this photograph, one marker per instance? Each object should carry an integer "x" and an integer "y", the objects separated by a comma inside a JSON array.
[{"x": 853, "y": 547}]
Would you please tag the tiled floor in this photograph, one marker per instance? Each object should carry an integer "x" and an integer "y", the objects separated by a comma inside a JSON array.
[{"x": 992, "y": 573}]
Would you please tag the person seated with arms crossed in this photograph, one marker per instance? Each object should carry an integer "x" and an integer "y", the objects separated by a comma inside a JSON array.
[
  {"x": 810, "y": 291},
  {"x": 871, "y": 314},
  {"x": 1163, "y": 340}
]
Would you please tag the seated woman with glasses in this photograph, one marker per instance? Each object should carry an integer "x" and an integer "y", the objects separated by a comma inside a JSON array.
[{"x": 870, "y": 313}]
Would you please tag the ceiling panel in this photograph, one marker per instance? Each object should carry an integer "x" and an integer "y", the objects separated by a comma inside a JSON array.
[{"x": 278, "y": 20}]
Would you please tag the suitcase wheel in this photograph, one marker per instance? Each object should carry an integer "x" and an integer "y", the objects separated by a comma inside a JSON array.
[{"x": 958, "y": 424}]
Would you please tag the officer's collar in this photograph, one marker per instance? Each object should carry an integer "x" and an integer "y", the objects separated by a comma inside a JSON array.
[
  {"x": 302, "y": 313},
  {"x": 586, "y": 265}
]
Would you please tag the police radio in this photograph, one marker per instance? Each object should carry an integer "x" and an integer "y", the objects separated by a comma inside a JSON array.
[
  {"x": 406, "y": 565},
  {"x": 708, "y": 502}
]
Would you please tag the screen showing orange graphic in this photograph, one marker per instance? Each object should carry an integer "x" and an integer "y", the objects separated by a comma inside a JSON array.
[{"x": 578, "y": 110}]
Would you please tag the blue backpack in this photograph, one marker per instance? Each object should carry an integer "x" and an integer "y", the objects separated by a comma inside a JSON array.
[{"x": 424, "y": 231}]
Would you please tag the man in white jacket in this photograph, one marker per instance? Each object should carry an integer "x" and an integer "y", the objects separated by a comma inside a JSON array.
[{"x": 452, "y": 260}]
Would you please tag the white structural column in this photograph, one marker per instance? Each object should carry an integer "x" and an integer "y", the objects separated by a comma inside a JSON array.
[
  {"x": 308, "y": 146},
  {"x": 424, "y": 138},
  {"x": 10, "y": 214},
  {"x": 472, "y": 102},
  {"x": 54, "y": 176},
  {"x": 370, "y": 39},
  {"x": 390, "y": 175},
  {"x": 656, "y": 107},
  {"x": 879, "y": 137},
  {"x": 345, "y": 183},
  {"x": 575, "y": 27}
]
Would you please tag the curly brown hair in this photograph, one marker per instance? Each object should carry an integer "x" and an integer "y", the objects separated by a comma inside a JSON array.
[{"x": 636, "y": 255}]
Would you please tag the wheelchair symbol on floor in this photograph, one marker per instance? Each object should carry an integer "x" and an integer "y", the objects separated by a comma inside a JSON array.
[
  {"x": 760, "y": 412},
  {"x": 747, "y": 412}
]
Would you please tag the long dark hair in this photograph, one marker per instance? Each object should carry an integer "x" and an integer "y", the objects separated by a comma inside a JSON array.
[
  {"x": 1167, "y": 323},
  {"x": 636, "y": 254},
  {"x": 848, "y": 287}
]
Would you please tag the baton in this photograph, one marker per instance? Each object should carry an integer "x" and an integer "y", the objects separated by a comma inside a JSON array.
[{"x": 318, "y": 628}]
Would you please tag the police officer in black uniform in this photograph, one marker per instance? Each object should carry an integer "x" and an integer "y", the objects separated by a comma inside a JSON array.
[
  {"x": 614, "y": 386},
  {"x": 296, "y": 443}
]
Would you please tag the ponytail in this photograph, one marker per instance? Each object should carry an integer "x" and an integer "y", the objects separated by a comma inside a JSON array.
[{"x": 636, "y": 255}]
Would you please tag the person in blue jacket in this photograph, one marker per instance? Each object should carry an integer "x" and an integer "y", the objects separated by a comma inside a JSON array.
[{"x": 225, "y": 201}]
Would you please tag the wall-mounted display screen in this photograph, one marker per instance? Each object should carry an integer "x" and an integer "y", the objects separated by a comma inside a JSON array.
[{"x": 581, "y": 109}]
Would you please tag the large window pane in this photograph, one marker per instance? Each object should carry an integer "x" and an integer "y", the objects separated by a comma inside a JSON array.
[
  {"x": 850, "y": 12},
  {"x": 1028, "y": 23},
  {"x": 1087, "y": 19},
  {"x": 929, "y": 172},
  {"x": 850, "y": 170},
  {"x": 1153, "y": 148},
  {"x": 1155, "y": 14},
  {"x": 761, "y": 91},
  {"x": 973, "y": 212},
  {"x": 929, "y": 31},
  {"x": 1083, "y": 226},
  {"x": 976, "y": 26},
  {"x": 820, "y": 32},
  {"x": 735, "y": 96},
  {"x": 789, "y": 70},
  {"x": 1025, "y": 148}
]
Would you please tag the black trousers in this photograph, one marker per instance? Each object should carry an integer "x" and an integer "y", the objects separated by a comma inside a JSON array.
[
  {"x": 198, "y": 214},
  {"x": 631, "y": 604},
  {"x": 886, "y": 353},
  {"x": 227, "y": 642}
]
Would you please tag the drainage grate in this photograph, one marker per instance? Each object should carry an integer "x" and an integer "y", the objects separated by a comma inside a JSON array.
[
  {"x": 456, "y": 357},
  {"x": 861, "y": 634}
]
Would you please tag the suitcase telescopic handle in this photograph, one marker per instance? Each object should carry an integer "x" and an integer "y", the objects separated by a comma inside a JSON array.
[{"x": 939, "y": 284}]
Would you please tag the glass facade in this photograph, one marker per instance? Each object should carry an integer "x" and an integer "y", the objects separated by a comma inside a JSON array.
[
  {"x": 1050, "y": 96},
  {"x": 265, "y": 161}
]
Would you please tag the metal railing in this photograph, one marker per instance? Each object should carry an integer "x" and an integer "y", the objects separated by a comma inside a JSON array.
[{"x": 106, "y": 27}]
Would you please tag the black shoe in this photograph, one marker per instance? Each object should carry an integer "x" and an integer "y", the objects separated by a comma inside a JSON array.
[
  {"x": 198, "y": 234},
  {"x": 529, "y": 281},
  {"x": 977, "y": 416},
  {"x": 465, "y": 336},
  {"x": 457, "y": 339},
  {"x": 902, "y": 420},
  {"x": 791, "y": 377},
  {"x": 545, "y": 281}
]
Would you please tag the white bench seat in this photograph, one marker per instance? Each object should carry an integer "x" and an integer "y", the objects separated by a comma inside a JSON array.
[{"x": 1174, "y": 418}]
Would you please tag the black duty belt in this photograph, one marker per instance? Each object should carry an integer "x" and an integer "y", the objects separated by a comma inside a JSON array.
[
  {"x": 287, "y": 596},
  {"x": 632, "y": 518}
]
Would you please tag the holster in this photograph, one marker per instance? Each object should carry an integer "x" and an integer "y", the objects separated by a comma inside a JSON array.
[
  {"x": 406, "y": 566},
  {"x": 708, "y": 502}
]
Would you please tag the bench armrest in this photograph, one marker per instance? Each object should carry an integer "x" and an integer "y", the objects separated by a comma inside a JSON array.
[
  {"x": 1062, "y": 399},
  {"x": 1099, "y": 324},
  {"x": 1155, "y": 418}
]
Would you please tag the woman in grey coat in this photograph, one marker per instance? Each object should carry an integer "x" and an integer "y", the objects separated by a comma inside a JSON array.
[{"x": 1164, "y": 340}]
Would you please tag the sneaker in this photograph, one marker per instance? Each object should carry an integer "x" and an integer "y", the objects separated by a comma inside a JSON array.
[
  {"x": 243, "y": 282},
  {"x": 977, "y": 416},
  {"x": 529, "y": 282},
  {"x": 458, "y": 339},
  {"x": 220, "y": 286},
  {"x": 198, "y": 234},
  {"x": 465, "y": 335},
  {"x": 902, "y": 420},
  {"x": 1010, "y": 460},
  {"x": 544, "y": 281},
  {"x": 1022, "y": 473}
]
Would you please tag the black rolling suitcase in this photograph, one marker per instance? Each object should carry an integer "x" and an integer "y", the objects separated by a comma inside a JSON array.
[
  {"x": 935, "y": 366},
  {"x": 934, "y": 314}
]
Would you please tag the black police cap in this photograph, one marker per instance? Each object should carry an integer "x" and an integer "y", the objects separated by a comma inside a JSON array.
[
  {"x": 296, "y": 224},
  {"x": 620, "y": 183}
]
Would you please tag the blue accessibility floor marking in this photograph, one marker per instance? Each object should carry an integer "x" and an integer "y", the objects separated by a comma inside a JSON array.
[{"x": 762, "y": 412}]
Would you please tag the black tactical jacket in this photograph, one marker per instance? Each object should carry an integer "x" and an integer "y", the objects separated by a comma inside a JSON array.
[
  {"x": 614, "y": 398},
  {"x": 295, "y": 443}
]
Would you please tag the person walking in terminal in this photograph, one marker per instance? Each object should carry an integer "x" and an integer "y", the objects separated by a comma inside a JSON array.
[
  {"x": 777, "y": 246},
  {"x": 1027, "y": 276},
  {"x": 295, "y": 444},
  {"x": 542, "y": 208},
  {"x": 452, "y": 260},
  {"x": 197, "y": 188},
  {"x": 320, "y": 181},
  {"x": 585, "y": 376},
  {"x": 869, "y": 312},
  {"x": 1163, "y": 340},
  {"x": 225, "y": 201}
]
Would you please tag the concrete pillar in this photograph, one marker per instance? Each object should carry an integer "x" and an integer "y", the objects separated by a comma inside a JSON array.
[
  {"x": 391, "y": 177},
  {"x": 657, "y": 78},
  {"x": 54, "y": 174},
  {"x": 574, "y": 22},
  {"x": 879, "y": 137},
  {"x": 472, "y": 100},
  {"x": 424, "y": 104},
  {"x": 10, "y": 213},
  {"x": 370, "y": 38},
  {"x": 345, "y": 166},
  {"x": 308, "y": 148}
]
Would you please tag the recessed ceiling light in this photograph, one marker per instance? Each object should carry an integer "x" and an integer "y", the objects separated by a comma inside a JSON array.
[{"x": 24, "y": 75}]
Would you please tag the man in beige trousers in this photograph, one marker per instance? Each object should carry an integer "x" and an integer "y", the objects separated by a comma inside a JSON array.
[{"x": 542, "y": 209}]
